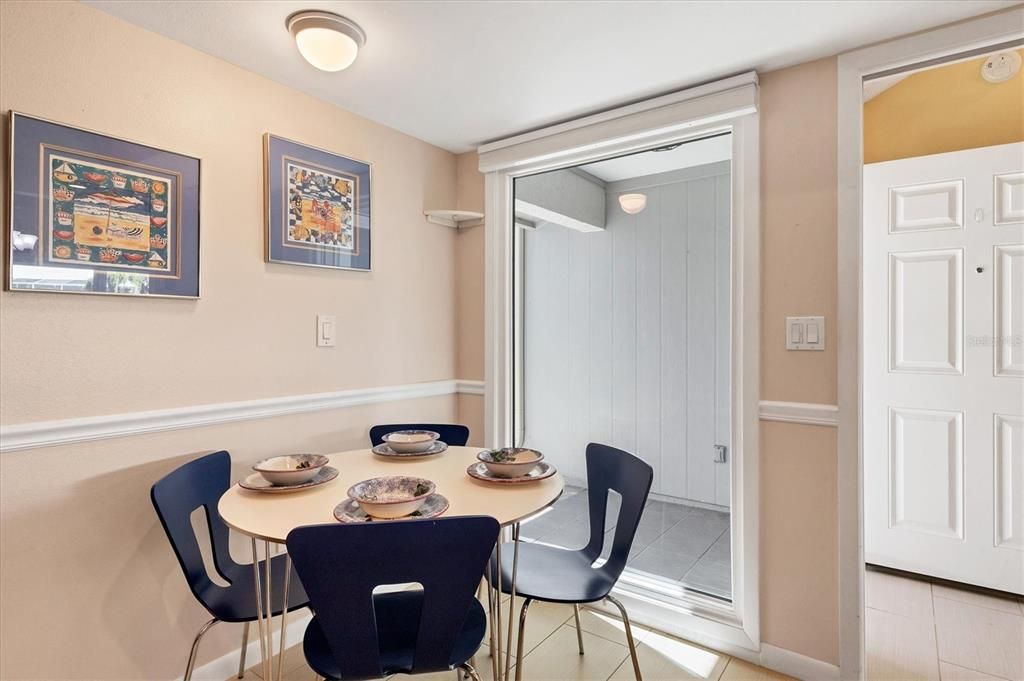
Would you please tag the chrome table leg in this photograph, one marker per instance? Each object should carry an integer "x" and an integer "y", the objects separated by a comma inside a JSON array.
[
  {"x": 269, "y": 605},
  {"x": 497, "y": 606},
  {"x": 512, "y": 599},
  {"x": 284, "y": 612},
  {"x": 259, "y": 606}
]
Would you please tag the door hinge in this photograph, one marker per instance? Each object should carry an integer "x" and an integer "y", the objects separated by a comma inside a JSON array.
[{"x": 720, "y": 453}]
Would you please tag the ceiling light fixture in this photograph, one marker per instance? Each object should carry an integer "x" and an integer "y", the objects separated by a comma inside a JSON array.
[
  {"x": 633, "y": 203},
  {"x": 328, "y": 41}
]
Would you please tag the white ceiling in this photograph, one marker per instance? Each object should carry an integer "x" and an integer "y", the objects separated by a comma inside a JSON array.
[
  {"x": 696, "y": 153},
  {"x": 457, "y": 74}
]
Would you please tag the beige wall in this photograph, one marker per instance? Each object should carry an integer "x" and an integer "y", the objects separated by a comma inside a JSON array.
[
  {"x": 799, "y": 561},
  {"x": 88, "y": 585},
  {"x": 799, "y": 555},
  {"x": 469, "y": 294},
  {"x": 252, "y": 333}
]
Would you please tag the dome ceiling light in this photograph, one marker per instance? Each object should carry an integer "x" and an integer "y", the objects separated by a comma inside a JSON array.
[
  {"x": 633, "y": 203},
  {"x": 328, "y": 41}
]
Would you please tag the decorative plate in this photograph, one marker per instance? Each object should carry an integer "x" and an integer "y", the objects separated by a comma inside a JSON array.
[
  {"x": 349, "y": 511},
  {"x": 542, "y": 471},
  {"x": 385, "y": 450},
  {"x": 257, "y": 483}
]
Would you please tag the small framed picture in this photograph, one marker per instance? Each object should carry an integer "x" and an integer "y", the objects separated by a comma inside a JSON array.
[
  {"x": 90, "y": 213},
  {"x": 318, "y": 206}
]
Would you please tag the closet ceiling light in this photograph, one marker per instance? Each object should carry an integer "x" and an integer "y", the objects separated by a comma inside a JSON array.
[
  {"x": 328, "y": 41},
  {"x": 633, "y": 203}
]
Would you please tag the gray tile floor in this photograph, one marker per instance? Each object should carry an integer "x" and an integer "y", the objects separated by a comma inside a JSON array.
[{"x": 682, "y": 544}]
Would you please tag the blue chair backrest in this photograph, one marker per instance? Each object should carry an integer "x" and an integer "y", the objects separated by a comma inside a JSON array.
[
  {"x": 199, "y": 483},
  {"x": 340, "y": 565},
  {"x": 609, "y": 468},
  {"x": 451, "y": 433}
]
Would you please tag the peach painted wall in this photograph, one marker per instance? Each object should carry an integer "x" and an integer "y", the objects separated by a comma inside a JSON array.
[
  {"x": 88, "y": 584},
  {"x": 799, "y": 558},
  {"x": 799, "y": 543}
]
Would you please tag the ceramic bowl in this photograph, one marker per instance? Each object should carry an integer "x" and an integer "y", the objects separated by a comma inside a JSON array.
[
  {"x": 392, "y": 496},
  {"x": 291, "y": 469},
  {"x": 510, "y": 462},
  {"x": 410, "y": 441}
]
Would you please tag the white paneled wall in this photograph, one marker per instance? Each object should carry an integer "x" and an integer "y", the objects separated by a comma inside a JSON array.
[{"x": 626, "y": 334}]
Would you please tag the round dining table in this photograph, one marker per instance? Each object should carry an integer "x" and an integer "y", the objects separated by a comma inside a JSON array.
[{"x": 267, "y": 518}]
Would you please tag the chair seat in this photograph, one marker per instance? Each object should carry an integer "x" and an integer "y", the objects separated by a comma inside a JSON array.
[
  {"x": 237, "y": 602},
  {"x": 397, "y": 626},
  {"x": 553, "y": 574}
]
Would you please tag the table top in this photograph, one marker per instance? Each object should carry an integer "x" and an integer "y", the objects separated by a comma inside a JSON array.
[{"x": 273, "y": 516}]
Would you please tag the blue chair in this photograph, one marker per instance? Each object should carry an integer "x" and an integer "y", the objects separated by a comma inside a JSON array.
[
  {"x": 359, "y": 634},
  {"x": 451, "y": 434},
  {"x": 557, "y": 575},
  {"x": 200, "y": 484}
]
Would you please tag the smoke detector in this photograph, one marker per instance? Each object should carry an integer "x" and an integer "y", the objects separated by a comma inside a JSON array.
[{"x": 1001, "y": 67}]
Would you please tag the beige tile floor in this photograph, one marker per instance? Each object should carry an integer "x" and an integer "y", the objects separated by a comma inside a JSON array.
[
  {"x": 913, "y": 630},
  {"x": 918, "y": 630},
  {"x": 551, "y": 654}
]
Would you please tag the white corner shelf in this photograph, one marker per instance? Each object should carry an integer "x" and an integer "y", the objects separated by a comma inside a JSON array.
[{"x": 459, "y": 219}]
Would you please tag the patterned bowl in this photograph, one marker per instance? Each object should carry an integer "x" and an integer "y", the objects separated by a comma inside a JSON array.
[
  {"x": 291, "y": 469},
  {"x": 410, "y": 441},
  {"x": 510, "y": 462},
  {"x": 392, "y": 496}
]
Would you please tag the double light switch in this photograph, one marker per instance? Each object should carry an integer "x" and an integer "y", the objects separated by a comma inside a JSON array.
[{"x": 805, "y": 333}]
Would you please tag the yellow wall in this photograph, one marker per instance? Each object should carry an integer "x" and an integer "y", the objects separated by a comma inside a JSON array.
[{"x": 943, "y": 109}]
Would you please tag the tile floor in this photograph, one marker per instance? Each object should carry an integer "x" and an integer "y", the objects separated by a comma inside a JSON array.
[
  {"x": 681, "y": 544},
  {"x": 918, "y": 630},
  {"x": 551, "y": 654}
]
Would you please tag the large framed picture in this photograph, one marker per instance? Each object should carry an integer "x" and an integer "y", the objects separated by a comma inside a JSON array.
[
  {"x": 318, "y": 206},
  {"x": 90, "y": 213}
]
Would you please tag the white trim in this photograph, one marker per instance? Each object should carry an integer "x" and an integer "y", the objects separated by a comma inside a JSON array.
[
  {"x": 651, "y": 123},
  {"x": 799, "y": 412},
  {"x": 69, "y": 431},
  {"x": 226, "y": 666},
  {"x": 728, "y": 106},
  {"x": 852, "y": 68},
  {"x": 797, "y": 665}
]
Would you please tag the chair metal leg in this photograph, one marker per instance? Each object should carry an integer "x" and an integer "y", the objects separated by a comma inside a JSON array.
[
  {"x": 471, "y": 673},
  {"x": 195, "y": 647},
  {"x": 579, "y": 627},
  {"x": 522, "y": 635},
  {"x": 245, "y": 645},
  {"x": 629, "y": 637}
]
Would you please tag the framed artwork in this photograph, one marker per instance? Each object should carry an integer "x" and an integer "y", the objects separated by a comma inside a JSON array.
[
  {"x": 318, "y": 206},
  {"x": 90, "y": 213}
]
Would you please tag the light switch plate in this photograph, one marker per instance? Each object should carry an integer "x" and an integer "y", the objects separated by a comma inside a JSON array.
[
  {"x": 805, "y": 333},
  {"x": 326, "y": 331}
]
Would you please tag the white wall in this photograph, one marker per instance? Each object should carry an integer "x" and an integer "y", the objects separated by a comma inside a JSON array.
[{"x": 626, "y": 333}]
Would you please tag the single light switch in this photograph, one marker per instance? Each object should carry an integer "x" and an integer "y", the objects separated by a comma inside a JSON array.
[
  {"x": 325, "y": 331},
  {"x": 812, "y": 334},
  {"x": 805, "y": 333},
  {"x": 796, "y": 332}
]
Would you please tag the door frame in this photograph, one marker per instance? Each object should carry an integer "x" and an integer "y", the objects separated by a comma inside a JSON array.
[
  {"x": 729, "y": 105},
  {"x": 988, "y": 31}
]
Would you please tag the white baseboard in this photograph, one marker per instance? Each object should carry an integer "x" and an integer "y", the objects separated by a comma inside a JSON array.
[
  {"x": 226, "y": 666},
  {"x": 797, "y": 665},
  {"x": 69, "y": 431}
]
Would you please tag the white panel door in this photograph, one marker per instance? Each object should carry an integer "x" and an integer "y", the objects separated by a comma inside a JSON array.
[{"x": 943, "y": 368}]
